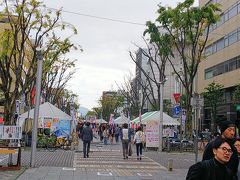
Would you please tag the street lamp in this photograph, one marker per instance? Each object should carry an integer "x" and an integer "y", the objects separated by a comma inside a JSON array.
[
  {"x": 36, "y": 109},
  {"x": 161, "y": 115}
]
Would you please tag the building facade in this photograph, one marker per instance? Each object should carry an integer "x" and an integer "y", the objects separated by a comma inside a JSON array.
[{"x": 222, "y": 63}]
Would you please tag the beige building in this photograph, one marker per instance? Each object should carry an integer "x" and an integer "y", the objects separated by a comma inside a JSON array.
[{"x": 222, "y": 64}]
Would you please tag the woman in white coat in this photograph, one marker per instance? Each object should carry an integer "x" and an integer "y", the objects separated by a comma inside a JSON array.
[{"x": 139, "y": 139}]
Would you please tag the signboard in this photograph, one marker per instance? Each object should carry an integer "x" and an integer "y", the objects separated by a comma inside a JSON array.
[
  {"x": 10, "y": 132},
  {"x": 152, "y": 134},
  {"x": 197, "y": 102},
  {"x": 176, "y": 110},
  {"x": 177, "y": 97},
  {"x": 168, "y": 132}
]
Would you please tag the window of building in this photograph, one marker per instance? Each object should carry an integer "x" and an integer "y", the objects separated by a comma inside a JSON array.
[
  {"x": 226, "y": 42},
  {"x": 221, "y": 21},
  {"x": 219, "y": 69},
  {"x": 233, "y": 11},
  {"x": 226, "y": 67},
  {"x": 226, "y": 16},
  {"x": 220, "y": 44},
  {"x": 208, "y": 74},
  {"x": 238, "y": 34},
  {"x": 232, "y": 64},
  {"x": 214, "y": 48},
  {"x": 238, "y": 62},
  {"x": 238, "y": 7},
  {"x": 227, "y": 96},
  {"x": 233, "y": 37},
  {"x": 208, "y": 50}
]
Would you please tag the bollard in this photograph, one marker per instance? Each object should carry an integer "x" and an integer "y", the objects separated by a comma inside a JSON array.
[{"x": 170, "y": 164}]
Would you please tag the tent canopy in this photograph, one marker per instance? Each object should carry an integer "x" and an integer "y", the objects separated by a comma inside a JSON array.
[
  {"x": 100, "y": 121},
  {"x": 46, "y": 110},
  {"x": 155, "y": 115},
  {"x": 121, "y": 120}
]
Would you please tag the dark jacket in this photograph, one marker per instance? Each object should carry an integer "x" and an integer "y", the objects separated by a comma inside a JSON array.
[
  {"x": 233, "y": 162},
  {"x": 209, "y": 170},
  {"x": 87, "y": 134}
]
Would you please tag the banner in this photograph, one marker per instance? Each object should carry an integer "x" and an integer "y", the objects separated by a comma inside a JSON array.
[
  {"x": 10, "y": 132},
  {"x": 152, "y": 134}
]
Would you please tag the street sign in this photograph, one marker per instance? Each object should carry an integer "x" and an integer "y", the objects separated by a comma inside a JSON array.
[
  {"x": 176, "y": 110},
  {"x": 197, "y": 102}
]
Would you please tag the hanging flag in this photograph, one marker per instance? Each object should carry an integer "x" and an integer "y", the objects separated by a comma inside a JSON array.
[
  {"x": 33, "y": 93},
  {"x": 140, "y": 117},
  {"x": 111, "y": 120}
]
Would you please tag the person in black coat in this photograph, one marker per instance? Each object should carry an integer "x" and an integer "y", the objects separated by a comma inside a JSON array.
[
  {"x": 87, "y": 137},
  {"x": 227, "y": 129},
  {"x": 215, "y": 168}
]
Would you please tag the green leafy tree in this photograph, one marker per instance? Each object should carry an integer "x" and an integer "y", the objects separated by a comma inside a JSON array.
[
  {"x": 236, "y": 94},
  {"x": 111, "y": 105},
  {"x": 28, "y": 25},
  {"x": 188, "y": 28},
  {"x": 213, "y": 96}
]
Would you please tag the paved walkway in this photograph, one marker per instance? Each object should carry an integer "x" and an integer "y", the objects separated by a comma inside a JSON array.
[{"x": 105, "y": 162}]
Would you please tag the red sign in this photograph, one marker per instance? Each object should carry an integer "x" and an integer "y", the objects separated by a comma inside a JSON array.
[
  {"x": 177, "y": 97},
  {"x": 1, "y": 120}
]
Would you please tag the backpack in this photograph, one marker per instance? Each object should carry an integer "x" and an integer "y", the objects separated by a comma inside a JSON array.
[{"x": 143, "y": 139}]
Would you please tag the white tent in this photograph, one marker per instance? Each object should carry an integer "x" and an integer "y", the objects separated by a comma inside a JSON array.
[
  {"x": 155, "y": 116},
  {"x": 167, "y": 120},
  {"x": 100, "y": 121},
  {"x": 121, "y": 120},
  {"x": 46, "y": 110}
]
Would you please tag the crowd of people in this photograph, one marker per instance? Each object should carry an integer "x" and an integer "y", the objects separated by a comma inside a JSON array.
[
  {"x": 110, "y": 134},
  {"x": 220, "y": 159}
]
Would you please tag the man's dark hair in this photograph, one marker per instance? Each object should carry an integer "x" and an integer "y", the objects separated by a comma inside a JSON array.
[
  {"x": 125, "y": 125},
  {"x": 218, "y": 142},
  {"x": 88, "y": 123}
]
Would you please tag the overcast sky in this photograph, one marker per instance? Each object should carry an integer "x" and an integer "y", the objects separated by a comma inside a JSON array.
[{"x": 105, "y": 58}]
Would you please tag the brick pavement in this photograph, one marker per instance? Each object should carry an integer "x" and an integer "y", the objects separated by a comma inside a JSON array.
[{"x": 106, "y": 162}]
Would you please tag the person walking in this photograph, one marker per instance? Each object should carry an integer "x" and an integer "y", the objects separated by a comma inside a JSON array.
[
  {"x": 116, "y": 134},
  {"x": 139, "y": 140},
  {"x": 87, "y": 137},
  {"x": 215, "y": 168},
  {"x": 105, "y": 135},
  {"x": 227, "y": 129},
  {"x": 125, "y": 140}
]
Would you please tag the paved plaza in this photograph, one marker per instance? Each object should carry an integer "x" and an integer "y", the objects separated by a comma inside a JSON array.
[{"x": 105, "y": 162}]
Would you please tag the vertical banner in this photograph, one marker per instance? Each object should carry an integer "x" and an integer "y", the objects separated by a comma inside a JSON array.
[
  {"x": 111, "y": 119},
  {"x": 152, "y": 134}
]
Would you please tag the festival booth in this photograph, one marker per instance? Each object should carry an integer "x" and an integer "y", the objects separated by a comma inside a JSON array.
[
  {"x": 51, "y": 119},
  {"x": 121, "y": 120},
  {"x": 150, "y": 121}
]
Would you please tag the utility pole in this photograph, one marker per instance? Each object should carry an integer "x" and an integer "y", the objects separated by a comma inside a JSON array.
[
  {"x": 36, "y": 109},
  {"x": 161, "y": 115}
]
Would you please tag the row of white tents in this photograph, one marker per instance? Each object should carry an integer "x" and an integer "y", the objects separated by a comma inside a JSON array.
[
  {"x": 49, "y": 111},
  {"x": 148, "y": 116}
]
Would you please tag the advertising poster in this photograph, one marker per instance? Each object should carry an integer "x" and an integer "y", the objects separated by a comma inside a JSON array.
[
  {"x": 168, "y": 132},
  {"x": 152, "y": 134},
  {"x": 55, "y": 124},
  {"x": 10, "y": 132},
  {"x": 64, "y": 127},
  {"x": 47, "y": 122}
]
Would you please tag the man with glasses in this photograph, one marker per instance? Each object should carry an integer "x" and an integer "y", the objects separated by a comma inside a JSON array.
[
  {"x": 215, "y": 168},
  {"x": 227, "y": 129}
]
